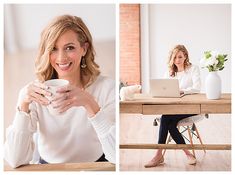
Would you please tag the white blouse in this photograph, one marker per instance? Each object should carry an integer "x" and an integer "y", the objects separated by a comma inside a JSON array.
[
  {"x": 189, "y": 80},
  {"x": 70, "y": 137}
]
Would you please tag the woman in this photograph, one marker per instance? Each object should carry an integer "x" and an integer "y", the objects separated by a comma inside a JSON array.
[
  {"x": 85, "y": 129},
  {"x": 189, "y": 82}
]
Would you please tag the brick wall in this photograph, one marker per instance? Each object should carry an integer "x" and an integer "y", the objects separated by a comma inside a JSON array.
[{"x": 130, "y": 43}]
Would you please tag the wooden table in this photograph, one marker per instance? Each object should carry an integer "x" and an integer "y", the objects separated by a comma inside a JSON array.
[
  {"x": 91, "y": 166},
  {"x": 188, "y": 104}
]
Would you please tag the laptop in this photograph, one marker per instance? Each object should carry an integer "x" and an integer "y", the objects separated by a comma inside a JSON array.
[{"x": 165, "y": 88}]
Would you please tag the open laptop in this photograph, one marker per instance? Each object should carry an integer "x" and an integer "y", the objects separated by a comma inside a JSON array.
[{"x": 165, "y": 88}]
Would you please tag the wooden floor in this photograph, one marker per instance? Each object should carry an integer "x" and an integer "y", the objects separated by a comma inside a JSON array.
[{"x": 139, "y": 129}]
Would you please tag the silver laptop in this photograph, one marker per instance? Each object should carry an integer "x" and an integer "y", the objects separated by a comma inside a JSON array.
[{"x": 164, "y": 88}]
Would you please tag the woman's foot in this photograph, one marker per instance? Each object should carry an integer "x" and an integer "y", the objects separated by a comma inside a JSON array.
[
  {"x": 154, "y": 162},
  {"x": 191, "y": 159}
]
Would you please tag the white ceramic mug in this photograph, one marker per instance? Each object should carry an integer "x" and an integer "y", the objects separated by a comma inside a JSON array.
[{"x": 53, "y": 86}]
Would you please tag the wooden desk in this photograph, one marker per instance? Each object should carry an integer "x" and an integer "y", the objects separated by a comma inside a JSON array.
[
  {"x": 91, "y": 166},
  {"x": 189, "y": 104}
]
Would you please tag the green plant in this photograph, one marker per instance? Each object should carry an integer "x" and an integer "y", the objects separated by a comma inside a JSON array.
[{"x": 213, "y": 61}]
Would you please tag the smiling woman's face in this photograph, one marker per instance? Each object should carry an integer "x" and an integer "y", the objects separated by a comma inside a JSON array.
[{"x": 66, "y": 55}]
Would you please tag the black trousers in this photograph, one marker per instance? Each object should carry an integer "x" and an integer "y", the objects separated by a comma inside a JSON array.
[
  {"x": 169, "y": 124},
  {"x": 101, "y": 159}
]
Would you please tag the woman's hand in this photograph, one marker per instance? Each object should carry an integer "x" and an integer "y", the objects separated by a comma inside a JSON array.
[
  {"x": 36, "y": 91},
  {"x": 70, "y": 96}
]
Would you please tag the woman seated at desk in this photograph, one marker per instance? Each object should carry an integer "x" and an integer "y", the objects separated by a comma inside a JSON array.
[
  {"x": 85, "y": 129},
  {"x": 189, "y": 82}
]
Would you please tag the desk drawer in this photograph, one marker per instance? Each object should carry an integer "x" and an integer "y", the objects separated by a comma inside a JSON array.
[
  {"x": 171, "y": 109},
  {"x": 131, "y": 108},
  {"x": 215, "y": 108}
]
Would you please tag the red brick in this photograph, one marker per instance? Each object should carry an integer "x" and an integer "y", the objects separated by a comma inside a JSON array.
[{"x": 130, "y": 43}]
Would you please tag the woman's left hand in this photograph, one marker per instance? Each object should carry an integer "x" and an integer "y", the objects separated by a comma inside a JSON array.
[{"x": 70, "y": 96}]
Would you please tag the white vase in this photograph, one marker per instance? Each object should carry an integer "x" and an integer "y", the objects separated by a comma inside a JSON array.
[{"x": 213, "y": 86}]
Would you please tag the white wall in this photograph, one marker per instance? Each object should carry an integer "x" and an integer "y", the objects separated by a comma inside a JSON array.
[
  {"x": 29, "y": 20},
  {"x": 198, "y": 27}
]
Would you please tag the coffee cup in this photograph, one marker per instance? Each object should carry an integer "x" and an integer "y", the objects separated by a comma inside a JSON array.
[{"x": 53, "y": 85}]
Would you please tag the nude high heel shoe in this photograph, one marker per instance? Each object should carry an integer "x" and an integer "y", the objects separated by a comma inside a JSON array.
[
  {"x": 191, "y": 160},
  {"x": 154, "y": 163}
]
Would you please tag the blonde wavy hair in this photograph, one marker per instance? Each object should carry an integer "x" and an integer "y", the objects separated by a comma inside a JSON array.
[
  {"x": 49, "y": 36},
  {"x": 172, "y": 67}
]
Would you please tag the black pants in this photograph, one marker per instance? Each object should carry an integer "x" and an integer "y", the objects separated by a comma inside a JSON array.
[
  {"x": 169, "y": 123},
  {"x": 101, "y": 159}
]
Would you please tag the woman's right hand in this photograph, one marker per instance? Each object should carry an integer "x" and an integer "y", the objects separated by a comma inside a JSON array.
[{"x": 36, "y": 91}]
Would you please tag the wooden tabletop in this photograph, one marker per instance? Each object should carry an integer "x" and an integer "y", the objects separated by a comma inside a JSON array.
[
  {"x": 187, "y": 99},
  {"x": 90, "y": 166}
]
